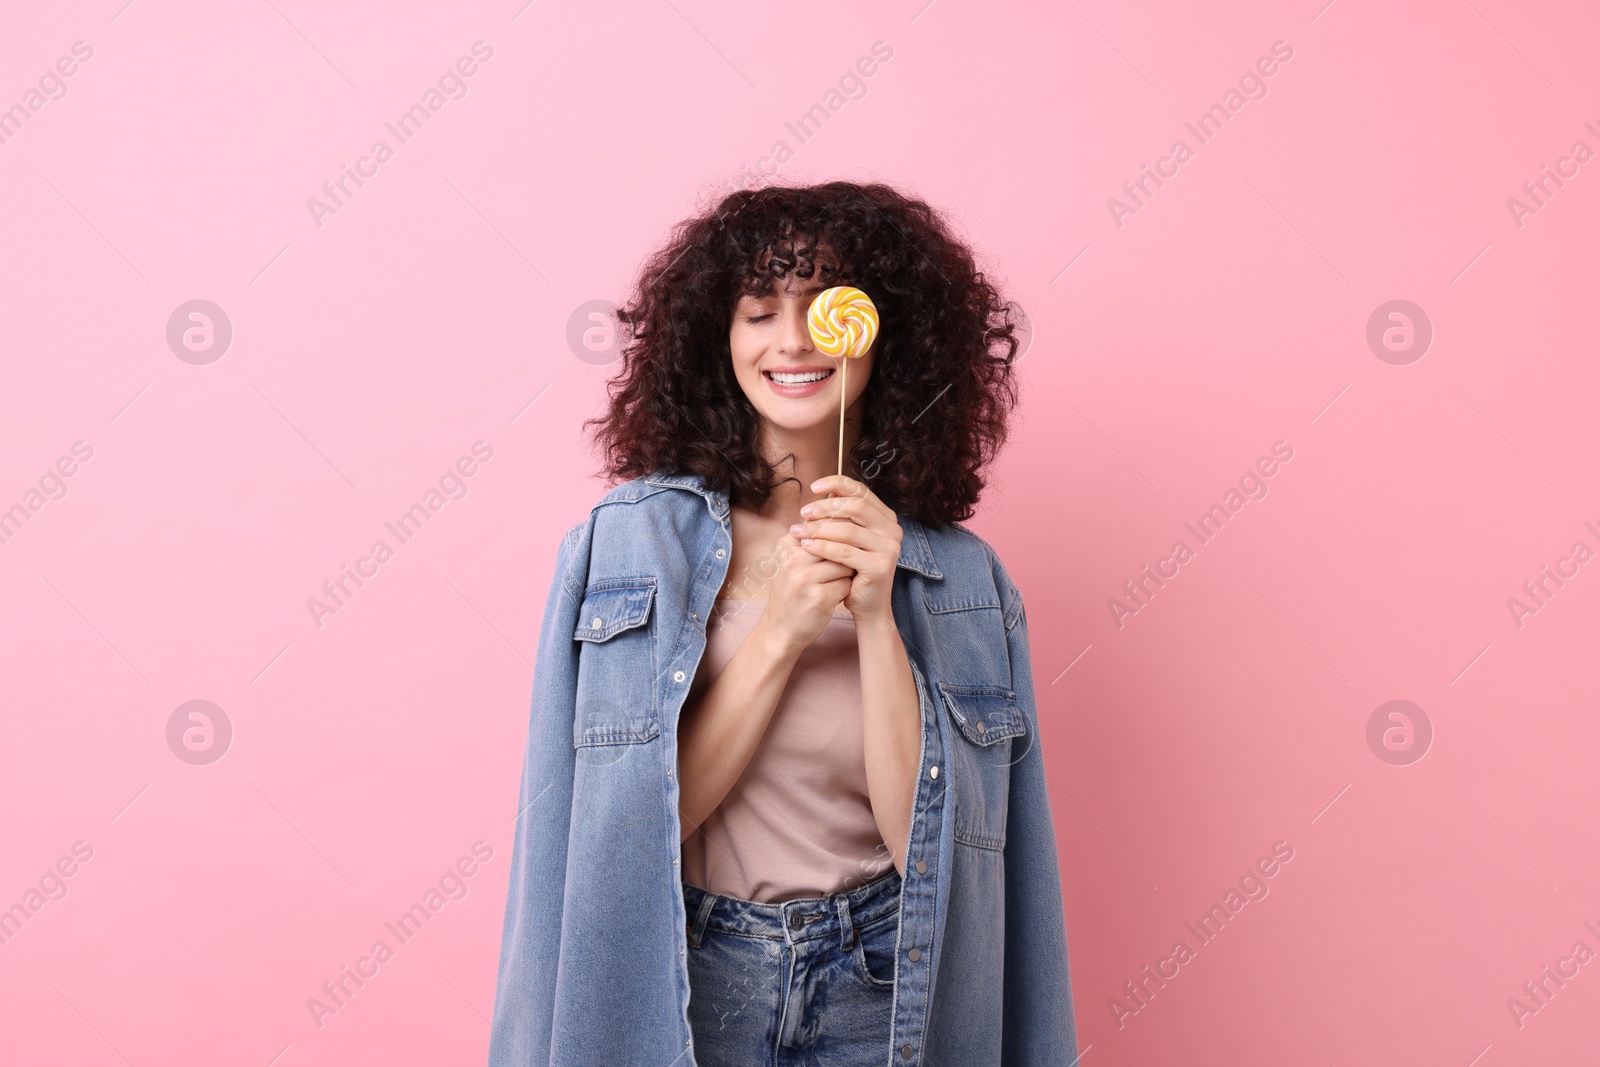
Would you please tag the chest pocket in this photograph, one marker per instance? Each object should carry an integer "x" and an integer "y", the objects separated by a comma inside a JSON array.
[
  {"x": 616, "y": 665},
  {"x": 992, "y": 736}
]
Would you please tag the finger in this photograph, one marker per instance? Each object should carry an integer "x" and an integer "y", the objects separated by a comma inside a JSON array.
[
  {"x": 824, "y": 570},
  {"x": 870, "y": 539},
  {"x": 849, "y": 533},
  {"x": 840, "y": 587},
  {"x": 849, "y": 491},
  {"x": 855, "y": 509},
  {"x": 841, "y": 486},
  {"x": 837, "y": 551},
  {"x": 815, "y": 565},
  {"x": 834, "y": 505}
]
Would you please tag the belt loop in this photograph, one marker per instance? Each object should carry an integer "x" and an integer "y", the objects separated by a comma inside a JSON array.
[
  {"x": 709, "y": 898},
  {"x": 847, "y": 930}
]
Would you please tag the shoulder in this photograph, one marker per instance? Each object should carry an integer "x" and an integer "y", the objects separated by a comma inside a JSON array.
[
  {"x": 638, "y": 490},
  {"x": 622, "y": 499},
  {"x": 958, "y": 549},
  {"x": 640, "y": 512},
  {"x": 623, "y": 519}
]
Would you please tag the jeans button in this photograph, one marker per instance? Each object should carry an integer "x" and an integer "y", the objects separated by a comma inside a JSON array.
[{"x": 795, "y": 921}]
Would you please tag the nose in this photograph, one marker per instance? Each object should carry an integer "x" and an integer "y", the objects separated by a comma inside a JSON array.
[{"x": 795, "y": 337}]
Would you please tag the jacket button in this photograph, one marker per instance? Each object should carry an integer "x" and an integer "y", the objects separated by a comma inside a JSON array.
[
  {"x": 596, "y": 624},
  {"x": 915, "y": 954},
  {"x": 980, "y": 726},
  {"x": 922, "y": 866},
  {"x": 720, "y": 553},
  {"x": 933, "y": 772},
  {"x": 905, "y": 1052},
  {"x": 677, "y": 676}
]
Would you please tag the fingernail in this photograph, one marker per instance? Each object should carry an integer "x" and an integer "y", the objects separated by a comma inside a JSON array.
[{"x": 797, "y": 528}]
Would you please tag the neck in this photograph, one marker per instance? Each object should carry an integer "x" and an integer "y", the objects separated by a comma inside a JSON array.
[{"x": 806, "y": 455}]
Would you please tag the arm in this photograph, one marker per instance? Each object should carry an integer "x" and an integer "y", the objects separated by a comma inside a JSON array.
[
  {"x": 720, "y": 732},
  {"x": 892, "y": 722},
  {"x": 858, "y": 529}
]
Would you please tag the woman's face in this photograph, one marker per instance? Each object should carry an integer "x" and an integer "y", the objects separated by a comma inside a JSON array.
[{"x": 768, "y": 338}]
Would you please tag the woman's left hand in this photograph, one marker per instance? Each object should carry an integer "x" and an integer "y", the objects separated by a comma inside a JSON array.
[{"x": 857, "y": 529}]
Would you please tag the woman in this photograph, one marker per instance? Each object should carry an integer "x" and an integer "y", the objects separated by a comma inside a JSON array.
[{"x": 771, "y": 665}]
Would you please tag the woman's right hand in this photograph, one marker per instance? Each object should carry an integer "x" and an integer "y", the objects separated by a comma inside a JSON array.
[{"x": 803, "y": 594}]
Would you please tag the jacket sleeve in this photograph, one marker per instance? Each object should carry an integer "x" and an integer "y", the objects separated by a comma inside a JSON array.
[
  {"x": 530, "y": 943},
  {"x": 1039, "y": 1029}
]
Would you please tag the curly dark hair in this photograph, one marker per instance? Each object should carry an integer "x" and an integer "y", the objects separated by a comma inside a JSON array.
[{"x": 942, "y": 386}]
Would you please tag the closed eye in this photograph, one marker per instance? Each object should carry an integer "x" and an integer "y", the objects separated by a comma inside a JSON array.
[{"x": 758, "y": 318}]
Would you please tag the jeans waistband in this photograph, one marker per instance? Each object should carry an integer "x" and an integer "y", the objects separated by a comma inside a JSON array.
[{"x": 838, "y": 916}]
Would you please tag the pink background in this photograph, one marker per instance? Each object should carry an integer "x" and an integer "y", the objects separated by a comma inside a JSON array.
[{"x": 1170, "y": 352}]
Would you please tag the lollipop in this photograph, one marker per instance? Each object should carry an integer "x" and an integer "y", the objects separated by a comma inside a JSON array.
[{"x": 843, "y": 324}]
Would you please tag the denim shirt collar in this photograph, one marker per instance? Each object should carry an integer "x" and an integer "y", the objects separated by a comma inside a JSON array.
[{"x": 915, "y": 552}]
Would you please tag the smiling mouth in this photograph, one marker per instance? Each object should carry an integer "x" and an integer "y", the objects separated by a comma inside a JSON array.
[{"x": 805, "y": 378}]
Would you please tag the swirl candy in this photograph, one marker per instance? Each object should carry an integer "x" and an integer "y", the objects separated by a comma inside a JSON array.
[{"x": 843, "y": 322}]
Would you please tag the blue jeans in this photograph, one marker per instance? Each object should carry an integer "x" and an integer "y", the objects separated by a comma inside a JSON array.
[{"x": 804, "y": 983}]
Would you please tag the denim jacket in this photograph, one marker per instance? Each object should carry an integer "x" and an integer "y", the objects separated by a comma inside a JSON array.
[{"x": 593, "y": 965}]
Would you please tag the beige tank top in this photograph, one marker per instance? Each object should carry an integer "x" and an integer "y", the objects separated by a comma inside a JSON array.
[{"x": 798, "y": 822}]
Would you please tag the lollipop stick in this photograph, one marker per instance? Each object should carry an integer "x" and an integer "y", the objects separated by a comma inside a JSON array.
[{"x": 844, "y": 377}]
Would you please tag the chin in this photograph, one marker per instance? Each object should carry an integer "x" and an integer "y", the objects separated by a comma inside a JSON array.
[{"x": 800, "y": 421}]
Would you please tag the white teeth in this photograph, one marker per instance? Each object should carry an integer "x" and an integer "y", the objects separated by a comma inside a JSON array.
[{"x": 798, "y": 379}]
